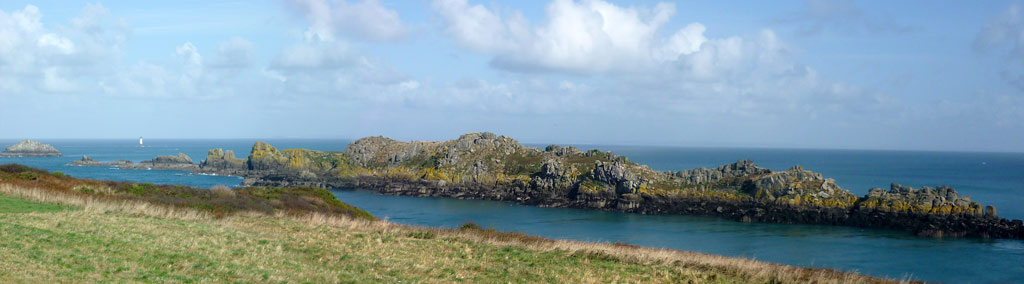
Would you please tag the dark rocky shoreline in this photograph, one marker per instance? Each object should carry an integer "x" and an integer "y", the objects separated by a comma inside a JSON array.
[
  {"x": 975, "y": 226},
  {"x": 488, "y": 167}
]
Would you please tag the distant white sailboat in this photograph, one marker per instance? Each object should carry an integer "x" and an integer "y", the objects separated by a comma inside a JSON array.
[{"x": 140, "y": 142}]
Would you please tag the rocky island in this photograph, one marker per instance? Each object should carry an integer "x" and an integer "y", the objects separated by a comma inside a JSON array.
[
  {"x": 492, "y": 167},
  {"x": 29, "y": 148},
  {"x": 179, "y": 162}
]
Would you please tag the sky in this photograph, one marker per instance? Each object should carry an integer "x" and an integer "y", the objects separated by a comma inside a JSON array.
[{"x": 905, "y": 75}]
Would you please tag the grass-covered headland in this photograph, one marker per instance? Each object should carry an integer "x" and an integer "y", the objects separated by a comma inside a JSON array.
[{"x": 55, "y": 228}]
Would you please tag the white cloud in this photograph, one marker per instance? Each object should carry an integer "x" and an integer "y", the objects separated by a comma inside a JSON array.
[
  {"x": 19, "y": 39},
  {"x": 315, "y": 55},
  {"x": 365, "y": 19},
  {"x": 234, "y": 53},
  {"x": 61, "y": 44},
  {"x": 53, "y": 60},
  {"x": 1004, "y": 34},
  {"x": 53, "y": 81},
  {"x": 582, "y": 37},
  {"x": 685, "y": 41},
  {"x": 191, "y": 66},
  {"x": 627, "y": 46},
  {"x": 597, "y": 37}
]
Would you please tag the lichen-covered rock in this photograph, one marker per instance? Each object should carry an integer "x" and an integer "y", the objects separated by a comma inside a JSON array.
[
  {"x": 181, "y": 158},
  {"x": 265, "y": 159},
  {"x": 89, "y": 162},
  {"x": 178, "y": 162},
  {"x": 471, "y": 154},
  {"x": 740, "y": 168},
  {"x": 941, "y": 200},
  {"x": 801, "y": 187},
  {"x": 375, "y": 152},
  {"x": 219, "y": 159},
  {"x": 29, "y": 148},
  {"x": 561, "y": 151},
  {"x": 554, "y": 175},
  {"x": 618, "y": 175}
]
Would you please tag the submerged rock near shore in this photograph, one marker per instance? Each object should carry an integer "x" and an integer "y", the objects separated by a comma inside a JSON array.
[
  {"x": 493, "y": 167},
  {"x": 29, "y": 148}
]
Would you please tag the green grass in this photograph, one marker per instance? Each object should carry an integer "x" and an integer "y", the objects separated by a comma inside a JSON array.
[
  {"x": 261, "y": 199},
  {"x": 15, "y": 205},
  {"x": 110, "y": 235},
  {"x": 86, "y": 247}
]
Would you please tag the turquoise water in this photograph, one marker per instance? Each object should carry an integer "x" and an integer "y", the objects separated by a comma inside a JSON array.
[{"x": 991, "y": 178}]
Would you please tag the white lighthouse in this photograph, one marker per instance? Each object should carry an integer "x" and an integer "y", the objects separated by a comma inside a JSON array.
[{"x": 140, "y": 141}]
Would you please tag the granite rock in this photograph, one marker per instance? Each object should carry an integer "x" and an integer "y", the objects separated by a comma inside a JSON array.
[{"x": 30, "y": 148}]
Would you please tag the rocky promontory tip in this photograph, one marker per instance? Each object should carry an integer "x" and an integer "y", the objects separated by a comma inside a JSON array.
[{"x": 29, "y": 148}]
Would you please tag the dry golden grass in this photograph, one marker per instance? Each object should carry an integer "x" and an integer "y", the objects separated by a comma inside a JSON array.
[{"x": 111, "y": 240}]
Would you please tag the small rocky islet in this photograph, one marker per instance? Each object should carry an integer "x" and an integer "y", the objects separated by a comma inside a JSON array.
[
  {"x": 30, "y": 148},
  {"x": 492, "y": 167}
]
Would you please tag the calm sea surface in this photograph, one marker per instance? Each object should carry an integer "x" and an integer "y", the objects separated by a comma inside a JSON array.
[{"x": 989, "y": 178}]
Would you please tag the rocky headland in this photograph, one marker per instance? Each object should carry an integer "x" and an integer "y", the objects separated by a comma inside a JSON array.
[
  {"x": 492, "y": 167},
  {"x": 29, "y": 148}
]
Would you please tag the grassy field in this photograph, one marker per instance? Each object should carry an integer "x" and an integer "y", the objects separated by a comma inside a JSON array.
[
  {"x": 17, "y": 205},
  {"x": 49, "y": 236}
]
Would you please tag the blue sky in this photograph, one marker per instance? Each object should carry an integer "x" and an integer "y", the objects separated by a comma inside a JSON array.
[{"x": 795, "y": 74}]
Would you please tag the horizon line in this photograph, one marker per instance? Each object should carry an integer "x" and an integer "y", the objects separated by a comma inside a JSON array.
[{"x": 578, "y": 145}]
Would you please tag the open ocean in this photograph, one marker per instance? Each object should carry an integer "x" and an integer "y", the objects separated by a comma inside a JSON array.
[{"x": 989, "y": 178}]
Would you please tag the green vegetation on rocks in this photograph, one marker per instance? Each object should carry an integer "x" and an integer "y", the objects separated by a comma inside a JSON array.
[{"x": 266, "y": 200}]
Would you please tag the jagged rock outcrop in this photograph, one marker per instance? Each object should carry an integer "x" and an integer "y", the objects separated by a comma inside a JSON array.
[
  {"x": 473, "y": 152},
  {"x": 616, "y": 174},
  {"x": 741, "y": 168},
  {"x": 264, "y": 157},
  {"x": 561, "y": 151},
  {"x": 380, "y": 151},
  {"x": 798, "y": 185},
  {"x": 302, "y": 163},
  {"x": 168, "y": 162},
  {"x": 219, "y": 159},
  {"x": 939, "y": 200},
  {"x": 89, "y": 162},
  {"x": 29, "y": 148},
  {"x": 181, "y": 158},
  {"x": 179, "y": 162}
]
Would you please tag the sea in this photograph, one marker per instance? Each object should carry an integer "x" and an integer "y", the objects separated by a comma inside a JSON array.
[{"x": 989, "y": 178}]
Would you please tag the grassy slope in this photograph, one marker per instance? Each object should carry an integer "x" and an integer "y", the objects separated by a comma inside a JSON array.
[
  {"x": 81, "y": 247},
  {"x": 55, "y": 228},
  {"x": 15, "y": 205},
  {"x": 58, "y": 245}
]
